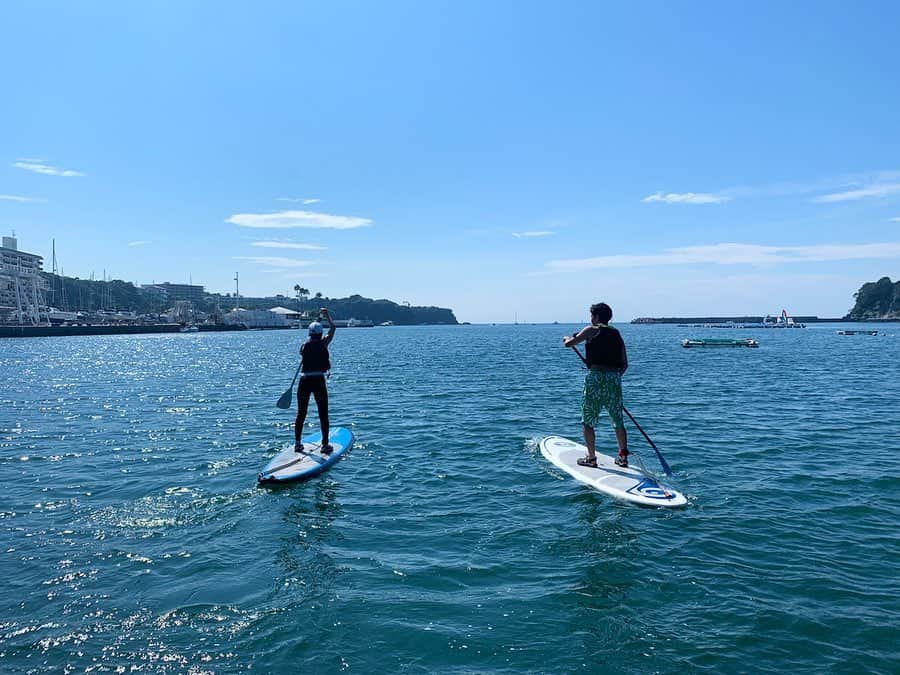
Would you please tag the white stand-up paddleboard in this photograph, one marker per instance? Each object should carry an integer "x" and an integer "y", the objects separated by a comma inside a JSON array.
[
  {"x": 289, "y": 465},
  {"x": 629, "y": 484}
]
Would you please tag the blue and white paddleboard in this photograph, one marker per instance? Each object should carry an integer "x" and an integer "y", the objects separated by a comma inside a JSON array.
[
  {"x": 289, "y": 465},
  {"x": 628, "y": 485}
]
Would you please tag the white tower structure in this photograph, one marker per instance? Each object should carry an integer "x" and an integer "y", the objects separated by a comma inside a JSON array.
[{"x": 21, "y": 283}]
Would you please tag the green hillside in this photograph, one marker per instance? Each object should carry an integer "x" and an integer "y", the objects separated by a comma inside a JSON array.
[{"x": 877, "y": 300}]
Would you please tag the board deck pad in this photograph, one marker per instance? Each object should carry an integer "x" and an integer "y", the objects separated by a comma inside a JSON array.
[
  {"x": 289, "y": 465},
  {"x": 628, "y": 485}
]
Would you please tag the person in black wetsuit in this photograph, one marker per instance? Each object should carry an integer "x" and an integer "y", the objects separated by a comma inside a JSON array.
[
  {"x": 314, "y": 365},
  {"x": 607, "y": 361}
]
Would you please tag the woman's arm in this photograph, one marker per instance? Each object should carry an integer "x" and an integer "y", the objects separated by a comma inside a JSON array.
[{"x": 331, "y": 326}]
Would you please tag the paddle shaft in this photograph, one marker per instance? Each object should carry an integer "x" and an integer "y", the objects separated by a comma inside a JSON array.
[
  {"x": 296, "y": 373},
  {"x": 662, "y": 460}
]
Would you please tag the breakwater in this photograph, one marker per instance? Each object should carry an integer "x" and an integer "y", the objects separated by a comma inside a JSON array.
[{"x": 729, "y": 319}]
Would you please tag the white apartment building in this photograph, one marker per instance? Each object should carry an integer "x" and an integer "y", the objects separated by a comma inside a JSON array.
[{"x": 21, "y": 284}]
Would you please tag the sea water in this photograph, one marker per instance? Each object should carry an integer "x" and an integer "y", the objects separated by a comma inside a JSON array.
[{"x": 135, "y": 538}]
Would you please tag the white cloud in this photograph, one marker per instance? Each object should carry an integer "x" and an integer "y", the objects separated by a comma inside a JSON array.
[
  {"x": 39, "y": 167},
  {"x": 300, "y": 200},
  {"x": 538, "y": 233},
  {"x": 297, "y": 219},
  {"x": 686, "y": 198},
  {"x": 840, "y": 188},
  {"x": 141, "y": 242},
  {"x": 874, "y": 190},
  {"x": 895, "y": 220},
  {"x": 734, "y": 254},
  {"x": 20, "y": 198},
  {"x": 274, "y": 261},
  {"x": 287, "y": 244}
]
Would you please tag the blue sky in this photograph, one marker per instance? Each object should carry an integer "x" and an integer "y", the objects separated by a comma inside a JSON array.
[{"x": 501, "y": 158}]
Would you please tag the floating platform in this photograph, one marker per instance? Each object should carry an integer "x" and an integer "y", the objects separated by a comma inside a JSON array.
[
  {"x": 857, "y": 332},
  {"x": 716, "y": 342}
]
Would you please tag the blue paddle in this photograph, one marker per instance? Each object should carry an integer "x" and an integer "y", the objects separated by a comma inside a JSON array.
[{"x": 662, "y": 460}]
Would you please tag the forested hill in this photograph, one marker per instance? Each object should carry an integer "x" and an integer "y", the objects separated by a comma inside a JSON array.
[
  {"x": 877, "y": 300},
  {"x": 355, "y": 307},
  {"x": 84, "y": 295},
  {"x": 379, "y": 311}
]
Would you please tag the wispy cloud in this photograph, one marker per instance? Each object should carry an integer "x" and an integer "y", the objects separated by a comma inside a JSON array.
[
  {"x": 20, "y": 198},
  {"x": 686, "y": 198},
  {"x": 38, "y": 166},
  {"x": 140, "y": 242},
  {"x": 874, "y": 190},
  {"x": 299, "y": 200},
  {"x": 288, "y": 244},
  {"x": 734, "y": 254},
  {"x": 298, "y": 219},
  {"x": 535, "y": 233},
  {"x": 829, "y": 189},
  {"x": 895, "y": 220},
  {"x": 275, "y": 261}
]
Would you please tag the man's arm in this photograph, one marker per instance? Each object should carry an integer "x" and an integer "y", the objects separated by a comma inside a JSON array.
[{"x": 579, "y": 337}]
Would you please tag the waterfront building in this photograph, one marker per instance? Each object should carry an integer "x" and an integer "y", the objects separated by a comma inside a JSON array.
[
  {"x": 291, "y": 316},
  {"x": 21, "y": 284},
  {"x": 175, "y": 292},
  {"x": 255, "y": 318}
]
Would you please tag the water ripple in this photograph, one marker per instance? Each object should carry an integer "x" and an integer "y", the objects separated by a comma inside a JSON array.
[{"x": 135, "y": 538}]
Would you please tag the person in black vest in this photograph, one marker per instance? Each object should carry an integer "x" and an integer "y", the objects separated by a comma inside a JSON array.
[
  {"x": 607, "y": 362},
  {"x": 314, "y": 365}
]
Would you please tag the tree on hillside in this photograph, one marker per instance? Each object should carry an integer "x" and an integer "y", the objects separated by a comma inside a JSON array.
[
  {"x": 302, "y": 295},
  {"x": 876, "y": 300}
]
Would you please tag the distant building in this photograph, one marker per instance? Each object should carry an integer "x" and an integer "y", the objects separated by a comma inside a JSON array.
[
  {"x": 175, "y": 292},
  {"x": 21, "y": 284},
  {"x": 288, "y": 314},
  {"x": 255, "y": 318}
]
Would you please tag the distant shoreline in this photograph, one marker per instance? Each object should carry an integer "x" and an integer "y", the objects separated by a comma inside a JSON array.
[{"x": 101, "y": 329}]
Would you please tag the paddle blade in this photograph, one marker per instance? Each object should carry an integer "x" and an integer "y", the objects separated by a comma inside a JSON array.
[
  {"x": 285, "y": 401},
  {"x": 664, "y": 463}
]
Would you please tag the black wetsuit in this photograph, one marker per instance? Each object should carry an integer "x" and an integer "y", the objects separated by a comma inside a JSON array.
[{"x": 312, "y": 382}]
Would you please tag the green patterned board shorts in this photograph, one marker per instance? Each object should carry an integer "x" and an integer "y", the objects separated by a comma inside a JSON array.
[{"x": 602, "y": 390}]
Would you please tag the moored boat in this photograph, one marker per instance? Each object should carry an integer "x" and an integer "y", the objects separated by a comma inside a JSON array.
[{"x": 719, "y": 342}]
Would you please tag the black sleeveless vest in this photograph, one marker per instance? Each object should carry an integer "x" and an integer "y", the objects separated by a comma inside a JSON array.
[
  {"x": 605, "y": 349},
  {"x": 315, "y": 357}
]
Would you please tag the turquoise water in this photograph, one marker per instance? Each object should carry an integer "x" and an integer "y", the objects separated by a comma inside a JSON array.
[{"x": 134, "y": 535}]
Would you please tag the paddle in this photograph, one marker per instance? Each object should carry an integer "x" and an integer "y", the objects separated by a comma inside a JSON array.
[
  {"x": 285, "y": 401},
  {"x": 662, "y": 460}
]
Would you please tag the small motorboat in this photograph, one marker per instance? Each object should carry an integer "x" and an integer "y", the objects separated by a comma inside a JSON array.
[{"x": 719, "y": 342}]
